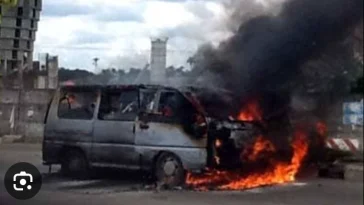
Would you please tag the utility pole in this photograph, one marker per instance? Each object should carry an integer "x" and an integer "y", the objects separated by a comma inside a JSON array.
[{"x": 47, "y": 71}]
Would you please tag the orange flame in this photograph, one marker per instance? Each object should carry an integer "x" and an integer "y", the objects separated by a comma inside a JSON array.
[
  {"x": 280, "y": 172},
  {"x": 276, "y": 173},
  {"x": 260, "y": 146},
  {"x": 251, "y": 112},
  {"x": 321, "y": 129},
  {"x": 217, "y": 160},
  {"x": 218, "y": 143}
]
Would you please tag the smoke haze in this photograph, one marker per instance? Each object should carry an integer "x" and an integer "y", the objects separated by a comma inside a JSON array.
[{"x": 264, "y": 56}]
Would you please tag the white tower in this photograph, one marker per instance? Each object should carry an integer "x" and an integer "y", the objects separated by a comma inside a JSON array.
[{"x": 158, "y": 60}]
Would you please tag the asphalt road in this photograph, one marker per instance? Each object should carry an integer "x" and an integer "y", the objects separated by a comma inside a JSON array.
[{"x": 126, "y": 189}]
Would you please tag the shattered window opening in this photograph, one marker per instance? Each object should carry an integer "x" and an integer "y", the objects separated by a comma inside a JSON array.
[
  {"x": 174, "y": 108},
  {"x": 119, "y": 106},
  {"x": 77, "y": 105},
  {"x": 168, "y": 104},
  {"x": 147, "y": 98}
]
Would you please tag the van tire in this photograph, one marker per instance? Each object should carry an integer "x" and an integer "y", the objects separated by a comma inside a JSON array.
[
  {"x": 169, "y": 171},
  {"x": 74, "y": 164}
]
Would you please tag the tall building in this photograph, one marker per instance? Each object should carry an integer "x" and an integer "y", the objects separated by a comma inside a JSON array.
[
  {"x": 17, "y": 35},
  {"x": 158, "y": 61}
]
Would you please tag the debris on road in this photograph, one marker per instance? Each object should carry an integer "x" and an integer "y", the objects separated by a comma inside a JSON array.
[{"x": 353, "y": 172}]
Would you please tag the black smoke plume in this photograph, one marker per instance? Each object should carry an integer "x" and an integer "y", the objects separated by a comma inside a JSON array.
[{"x": 263, "y": 58}]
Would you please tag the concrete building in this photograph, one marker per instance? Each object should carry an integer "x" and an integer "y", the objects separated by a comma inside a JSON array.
[
  {"x": 158, "y": 61},
  {"x": 17, "y": 35},
  {"x": 46, "y": 72}
]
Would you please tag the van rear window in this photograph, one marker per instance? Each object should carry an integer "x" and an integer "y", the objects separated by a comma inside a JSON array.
[{"x": 77, "y": 104}]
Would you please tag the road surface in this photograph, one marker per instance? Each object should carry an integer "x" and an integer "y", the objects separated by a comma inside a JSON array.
[{"x": 128, "y": 190}]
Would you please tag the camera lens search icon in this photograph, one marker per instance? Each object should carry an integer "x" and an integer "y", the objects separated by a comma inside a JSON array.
[{"x": 23, "y": 181}]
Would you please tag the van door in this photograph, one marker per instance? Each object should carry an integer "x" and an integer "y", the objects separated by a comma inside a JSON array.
[
  {"x": 70, "y": 119},
  {"x": 113, "y": 139},
  {"x": 169, "y": 123},
  {"x": 166, "y": 128}
]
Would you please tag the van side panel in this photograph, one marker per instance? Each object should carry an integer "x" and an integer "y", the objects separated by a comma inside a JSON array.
[
  {"x": 193, "y": 159},
  {"x": 154, "y": 134},
  {"x": 113, "y": 142},
  {"x": 63, "y": 134},
  {"x": 171, "y": 138},
  {"x": 113, "y": 135}
]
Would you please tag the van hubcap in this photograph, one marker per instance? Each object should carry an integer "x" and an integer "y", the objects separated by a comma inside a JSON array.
[
  {"x": 75, "y": 165},
  {"x": 170, "y": 167}
]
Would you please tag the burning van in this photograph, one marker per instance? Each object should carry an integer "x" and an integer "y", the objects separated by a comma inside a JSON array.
[{"x": 155, "y": 128}]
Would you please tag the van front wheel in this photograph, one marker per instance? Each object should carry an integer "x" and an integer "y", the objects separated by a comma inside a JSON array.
[
  {"x": 169, "y": 170},
  {"x": 74, "y": 164}
]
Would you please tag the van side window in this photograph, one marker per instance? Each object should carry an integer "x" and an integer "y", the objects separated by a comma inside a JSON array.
[
  {"x": 120, "y": 105},
  {"x": 168, "y": 104},
  {"x": 175, "y": 106},
  {"x": 77, "y": 105},
  {"x": 146, "y": 98}
]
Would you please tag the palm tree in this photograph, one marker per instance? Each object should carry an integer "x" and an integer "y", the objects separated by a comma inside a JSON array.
[{"x": 95, "y": 61}]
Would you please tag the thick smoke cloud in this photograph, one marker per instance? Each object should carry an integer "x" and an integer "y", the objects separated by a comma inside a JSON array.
[
  {"x": 239, "y": 12},
  {"x": 264, "y": 56}
]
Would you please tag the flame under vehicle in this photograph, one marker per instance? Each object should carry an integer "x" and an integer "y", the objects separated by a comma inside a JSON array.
[{"x": 155, "y": 128}]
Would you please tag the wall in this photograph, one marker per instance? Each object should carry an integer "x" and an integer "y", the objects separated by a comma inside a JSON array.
[
  {"x": 52, "y": 72},
  {"x": 46, "y": 70},
  {"x": 28, "y": 114},
  {"x": 41, "y": 82}
]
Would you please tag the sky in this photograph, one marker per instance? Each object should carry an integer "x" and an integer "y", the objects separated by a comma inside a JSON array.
[{"x": 118, "y": 32}]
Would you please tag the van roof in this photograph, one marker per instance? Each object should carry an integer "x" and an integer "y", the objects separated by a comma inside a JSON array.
[
  {"x": 95, "y": 86},
  {"x": 192, "y": 99}
]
